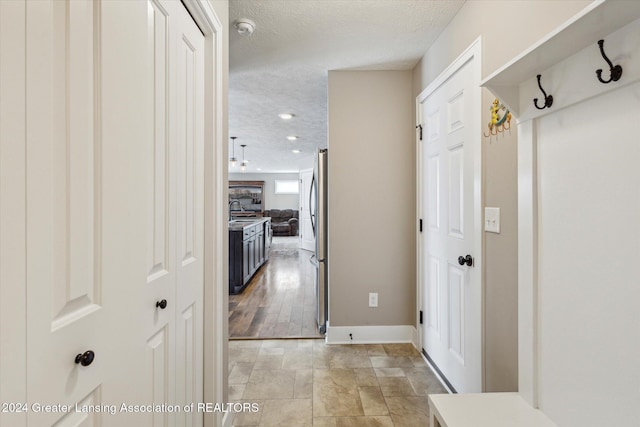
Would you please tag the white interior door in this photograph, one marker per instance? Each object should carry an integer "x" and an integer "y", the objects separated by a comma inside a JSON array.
[
  {"x": 69, "y": 297},
  {"x": 114, "y": 211},
  {"x": 450, "y": 207},
  {"x": 307, "y": 236}
]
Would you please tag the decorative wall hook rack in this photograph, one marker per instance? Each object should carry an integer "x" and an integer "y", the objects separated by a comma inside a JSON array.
[
  {"x": 498, "y": 124},
  {"x": 548, "y": 99},
  {"x": 614, "y": 70}
]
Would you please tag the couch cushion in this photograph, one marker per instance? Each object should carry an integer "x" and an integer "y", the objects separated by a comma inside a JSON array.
[{"x": 275, "y": 213}]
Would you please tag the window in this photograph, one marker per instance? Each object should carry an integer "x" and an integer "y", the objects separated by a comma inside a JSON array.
[{"x": 287, "y": 187}]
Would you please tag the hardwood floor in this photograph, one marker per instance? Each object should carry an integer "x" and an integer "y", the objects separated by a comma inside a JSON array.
[{"x": 280, "y": 301}]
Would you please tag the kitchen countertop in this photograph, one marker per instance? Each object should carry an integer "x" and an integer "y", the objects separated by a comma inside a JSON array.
[{"x": 240, "y": 224}]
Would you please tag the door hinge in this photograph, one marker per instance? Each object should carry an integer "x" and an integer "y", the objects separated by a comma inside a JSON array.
[
  {"x": 420, "y": 127},
  {"x": 421, "y": 317},
  {"x": 421, "y": 225}
]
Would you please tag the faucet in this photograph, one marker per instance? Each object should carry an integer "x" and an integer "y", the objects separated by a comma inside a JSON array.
[{"x": 231, "y": 204}]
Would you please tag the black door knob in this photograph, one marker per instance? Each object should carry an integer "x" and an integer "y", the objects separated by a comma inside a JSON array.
[
  {"x": 86, "y": 358},
  {"x": 162, "y": 304},
  {"x": 462, "y": 260}
]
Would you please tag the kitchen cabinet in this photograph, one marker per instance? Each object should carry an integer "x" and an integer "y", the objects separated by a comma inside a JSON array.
[{"x": 249, "y": 243}]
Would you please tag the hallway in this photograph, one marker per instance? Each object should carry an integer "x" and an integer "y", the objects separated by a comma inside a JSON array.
[
  {"x": 280, "y": 301},
  {"x": 308, "y": 383}
]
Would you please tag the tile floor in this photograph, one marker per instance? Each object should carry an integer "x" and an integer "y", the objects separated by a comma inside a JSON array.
[{"x": 302, "y": 382}]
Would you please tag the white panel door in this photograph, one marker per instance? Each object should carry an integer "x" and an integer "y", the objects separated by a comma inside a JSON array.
[
  {"x": 67, "y": 303},
  {"x": 188, "y": 115},
  {"x": 114, "y": 211},
  {"x": 307, "y": 237},
  {"x": 160, "y": 307},
  {"x": 588, "y": 280},
  {"x": 451, "y": 292}
]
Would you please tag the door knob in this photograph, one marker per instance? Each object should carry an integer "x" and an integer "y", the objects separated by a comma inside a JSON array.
[
  {"x": 462, "y": 260},
  {"x": 162, "y": 304},
  {"x": 86, "y": 358}
]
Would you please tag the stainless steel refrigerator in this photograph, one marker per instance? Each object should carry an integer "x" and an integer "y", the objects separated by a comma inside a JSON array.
[{"x": 318, "y": 209}]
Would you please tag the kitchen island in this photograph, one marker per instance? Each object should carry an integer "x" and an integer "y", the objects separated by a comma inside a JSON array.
[{"x": 249, "y": 243}]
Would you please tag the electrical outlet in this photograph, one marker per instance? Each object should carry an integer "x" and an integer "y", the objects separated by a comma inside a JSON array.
[{"x": 373, "y": 299}]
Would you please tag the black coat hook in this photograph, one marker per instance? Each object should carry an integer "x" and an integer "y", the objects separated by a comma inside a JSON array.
[
  {"x": 616, "y": 71},
  {"x": 548, "y": 99}
]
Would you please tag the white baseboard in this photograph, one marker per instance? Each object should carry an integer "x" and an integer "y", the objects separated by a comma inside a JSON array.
[{"x": 371, "y": 334}]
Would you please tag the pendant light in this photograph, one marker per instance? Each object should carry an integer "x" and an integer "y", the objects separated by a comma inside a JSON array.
[
  {"x": 243, "y": 165},
  {"x": 232, "y": 159}
]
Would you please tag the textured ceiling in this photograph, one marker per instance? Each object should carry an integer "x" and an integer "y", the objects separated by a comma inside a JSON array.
[{"x": 282, "y": 66}]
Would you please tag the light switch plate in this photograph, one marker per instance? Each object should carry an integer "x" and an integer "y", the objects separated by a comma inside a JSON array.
[
  {"x": 373, "y": 299},
  {"x": 492, "y": 220}
]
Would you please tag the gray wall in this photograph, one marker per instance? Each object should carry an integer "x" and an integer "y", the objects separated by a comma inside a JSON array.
[
  {"x": 371, "y": 197},
  {"x": 507, "y": 28},
  {"x": 271, "y": 199}
]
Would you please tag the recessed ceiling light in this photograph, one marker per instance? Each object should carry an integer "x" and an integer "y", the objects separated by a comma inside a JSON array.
[
  {"x": 285, "y": 116},
  {"x": 292, "y": 138},
  {"x": 295, "y": 151}
]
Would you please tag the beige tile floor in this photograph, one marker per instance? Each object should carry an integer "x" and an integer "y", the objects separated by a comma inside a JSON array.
[{"x": 302, "y": 382}]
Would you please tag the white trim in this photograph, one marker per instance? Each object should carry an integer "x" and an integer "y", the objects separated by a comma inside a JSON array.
[
  {"x": 371, "y": 334},
  {"x": 527, "y": 264},
  {"x": 419, "y": 216},
  {"x": 473, "y": 52},
  {"x": 215, "y": 228},
  {"x": 14, "y": 28}
]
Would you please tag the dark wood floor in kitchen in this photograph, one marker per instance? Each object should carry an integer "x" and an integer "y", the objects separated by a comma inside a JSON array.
[{"x": 280, "y": 301}]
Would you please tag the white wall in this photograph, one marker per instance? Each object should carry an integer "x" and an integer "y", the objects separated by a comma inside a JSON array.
[{"x": 271, "y": 199}]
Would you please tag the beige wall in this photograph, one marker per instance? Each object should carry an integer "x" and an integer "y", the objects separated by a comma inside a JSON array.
[
  {"x": 507, "y": 28},
  {"x": 371, "y": 197},
  {"x": 271, "y": 200}
]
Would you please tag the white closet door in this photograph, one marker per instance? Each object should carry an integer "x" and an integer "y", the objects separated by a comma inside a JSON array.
[
  {"x": 68, "y": 304},
  {"x": 114, "y": 210},
  {"x": 188, "y": 116}
]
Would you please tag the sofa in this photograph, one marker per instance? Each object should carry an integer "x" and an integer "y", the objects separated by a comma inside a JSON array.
[{"x": 284, "y": 222}]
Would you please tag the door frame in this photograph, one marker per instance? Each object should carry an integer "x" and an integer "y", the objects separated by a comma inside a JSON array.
[
  {"x": 473, "y": 52},
  {"x": 216, "y": 239}
]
